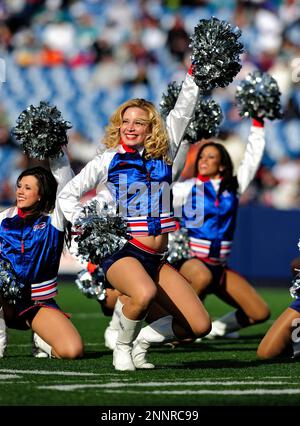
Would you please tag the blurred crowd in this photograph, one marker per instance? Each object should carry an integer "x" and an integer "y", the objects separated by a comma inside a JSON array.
[{"x": 122, "y": 42}]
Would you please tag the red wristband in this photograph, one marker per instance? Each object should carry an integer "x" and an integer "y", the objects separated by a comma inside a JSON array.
[
  {"x": 190, "y": 70},
  {"x": 91, "y": 267},
  {"x": 257, "y": 122}
]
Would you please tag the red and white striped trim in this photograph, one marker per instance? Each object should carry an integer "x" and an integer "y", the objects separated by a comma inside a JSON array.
[
  {"x": 44, "y": 290},
  {"x": 225, "y": 249},
  {"x": 145, "y": 248},
  {"x": 138, "y": 225},
  {"x": 168, "y": 225},
  {"x": 201, "y": 248}
]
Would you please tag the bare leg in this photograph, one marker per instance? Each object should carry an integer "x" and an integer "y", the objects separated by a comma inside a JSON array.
[
  {"x": 111, "y": 297},
  {"x": 197, "y": 274},
  {"x": 129, "y": 277},
  {"x": 278, "y": 338},
  {"x": 59, "y": 332},
  {"x": 239, "y": 293},
  {"x": 199, "y": 277},
  {"x": 180, "y": 300},
  {"x": 186, "y": 316},
  {"x": 108, "y": 304}
]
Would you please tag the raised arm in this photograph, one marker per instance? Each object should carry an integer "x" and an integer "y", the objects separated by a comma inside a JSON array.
[
  {"x": 253, "y": 155},
  {"x": 182, "y": 113},
  {"x": 61, "y": 170},
  {"x": 94, "y": 173},
  {"x": 179, "y": 160}
]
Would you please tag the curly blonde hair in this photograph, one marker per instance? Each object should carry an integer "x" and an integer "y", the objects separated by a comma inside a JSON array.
[{"x": 156, "y": 143}]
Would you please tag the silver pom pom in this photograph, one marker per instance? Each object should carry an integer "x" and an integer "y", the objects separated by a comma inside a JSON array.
[
  {"x": 215, "y": 53},
  {"x": 42, "y": 131},
  {"x": 206, "y": 119},
  {"x": 168, "y": 99},
  {"x": 100, "y": 232},
  {"x": 295, "y": 288},
  {"x": 178, "y": 246},
  {"x": 258, "y": 96},
  {"x": 92, "y": 285}
]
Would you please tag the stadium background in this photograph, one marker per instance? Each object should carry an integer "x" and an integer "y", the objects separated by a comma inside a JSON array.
[{"x": 86, "y": 57}]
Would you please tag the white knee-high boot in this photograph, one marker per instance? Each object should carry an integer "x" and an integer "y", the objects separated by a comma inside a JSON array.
[
  {"x": 158, "y": 332},
  {"x": 111, "y": 332},
  {"x": 3, "y": 336},
  {"x": 128, "y": 330},
  {"x": 41, "y": 344},
  {"x": 225, "y": 325}
]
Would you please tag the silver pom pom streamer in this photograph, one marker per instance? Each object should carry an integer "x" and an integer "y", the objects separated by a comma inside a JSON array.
[
  {"x": 10, "y": 288},
  {"x": 41, "y": 131},
  {"x": 258, "y": 96},
  {"x": 215, "y": 53},
  {"x": 206, "y": 119},
  {"x": 168, "y": 99},
  {"x": 100, "y": 232},
  {"x": 205, "y": 122},
  {"x": 295, "y": 288},
  {"x": 92, "y": 285},
  {"x": 178, "y": 246}
]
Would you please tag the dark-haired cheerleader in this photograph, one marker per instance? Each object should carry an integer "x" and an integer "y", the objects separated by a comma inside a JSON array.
[
  {"x": 32, "y": 236},
  {"x": 31, "y": 239},
  {"x": 210, "y": 240},
  {"x": 217, "y": 190}
]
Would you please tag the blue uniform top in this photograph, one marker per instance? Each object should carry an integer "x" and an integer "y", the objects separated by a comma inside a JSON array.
[
  {"x": 210, "y": 218},
  {"x": 136, "y": 187},
  {"x": 33, "y": 247}
]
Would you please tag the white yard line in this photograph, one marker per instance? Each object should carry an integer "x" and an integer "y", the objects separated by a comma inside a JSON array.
[
  {"x": 9, "y": 376},
  {"x": 115, "y": 385},
  {"x": 237, "y": 392},
  {"x": 26, "y": 345},
  {"x": 46, "y": 372}
]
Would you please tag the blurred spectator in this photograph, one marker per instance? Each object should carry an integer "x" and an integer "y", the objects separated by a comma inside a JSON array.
[
  {"x": 286, "y": 194},
  {"x": 12, "y": 162},
  {"x": 80, "y": 150},
  {"x": 152, "y": 35},
  {"x": 49, "y": 57},
  {"x": 60, "y": 35},
  {"x": 100, "y": 49},
  {"x": 178, "y": 39},
  {"x": 106, "y": 75},
  {"x": 6, "y": 43},
  {"x": 261, "y": 188}
]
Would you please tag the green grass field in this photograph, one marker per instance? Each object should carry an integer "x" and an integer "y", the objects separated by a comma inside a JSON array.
[{"x": 222, "y": 373}]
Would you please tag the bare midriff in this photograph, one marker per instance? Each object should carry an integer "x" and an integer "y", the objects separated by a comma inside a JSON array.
[{"x": 158, "y": 243}]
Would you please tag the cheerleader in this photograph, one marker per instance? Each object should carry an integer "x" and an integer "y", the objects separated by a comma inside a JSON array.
[
  {"x": 134, "y": 175},
  {"x": 283, "y": 337},
  {"x": 31, "y": 239},
  {"x": 211, "y": 235}
]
